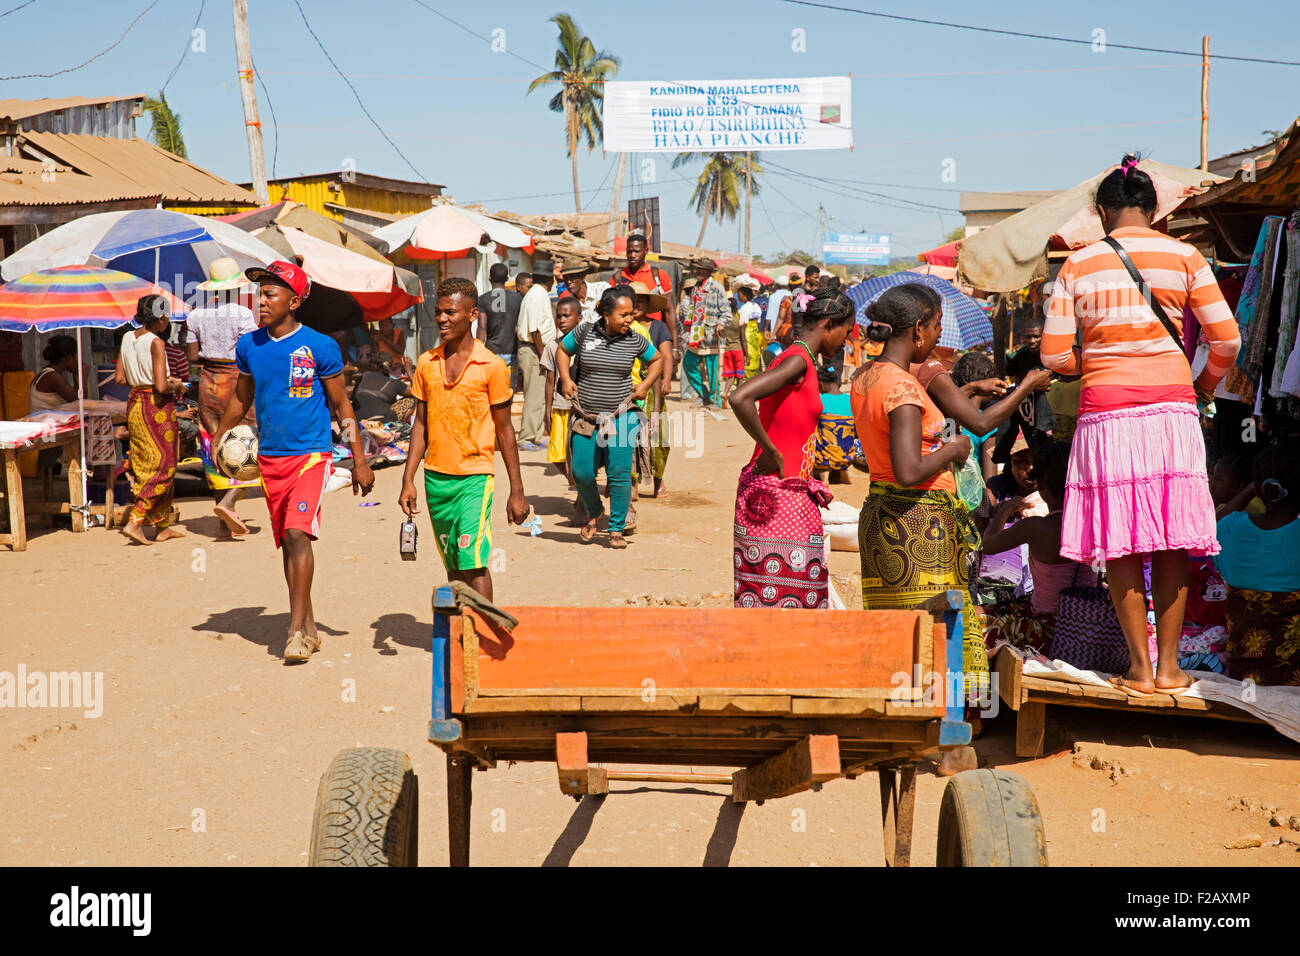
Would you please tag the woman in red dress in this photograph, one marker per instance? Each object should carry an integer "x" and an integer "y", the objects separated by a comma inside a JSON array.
[{"x": 779, "y": 536}]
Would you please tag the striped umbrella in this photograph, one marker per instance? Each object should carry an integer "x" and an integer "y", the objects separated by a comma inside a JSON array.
[
  {"x": 965, "y": 324},
  {"x": 74, "y": 297}
]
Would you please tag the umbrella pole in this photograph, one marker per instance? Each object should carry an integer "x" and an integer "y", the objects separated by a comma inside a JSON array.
[{"x": 81, "y": 414}]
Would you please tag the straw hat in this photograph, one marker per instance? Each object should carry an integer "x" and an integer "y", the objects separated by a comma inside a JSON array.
[
  {"x": 654, "y": 301},
  {"x": 224, "y": 273}
]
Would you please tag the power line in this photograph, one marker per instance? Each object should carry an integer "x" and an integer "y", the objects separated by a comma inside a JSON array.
[
  {"x": 461, "y": 26},
  {"x": 1037, "y": 36},
  {"x": 374, "y": 121},
  {"x": 17, "y": 8},
  {"x": 72, "y": 69},
  {"x": 275, "y": 123},
  {"x": 188, "y": 42},
  {"x": 866, "y": 192}
]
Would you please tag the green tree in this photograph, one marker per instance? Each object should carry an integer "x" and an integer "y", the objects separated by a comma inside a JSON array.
[
  {"x": 165, "y": 132},
  {"x": 581, "y": 71},
  {"x": 958, "y": 233},
  {"x": 721, "y": 184}
]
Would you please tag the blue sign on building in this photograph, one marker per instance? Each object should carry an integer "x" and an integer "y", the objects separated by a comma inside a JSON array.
[{"x": 856, "y": 248}]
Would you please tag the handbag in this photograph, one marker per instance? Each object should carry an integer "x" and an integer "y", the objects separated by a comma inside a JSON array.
[{"x": 1087, "y": 633}]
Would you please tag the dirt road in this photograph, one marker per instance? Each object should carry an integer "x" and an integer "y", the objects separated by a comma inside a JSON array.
[{"x": 208, "y": 748}]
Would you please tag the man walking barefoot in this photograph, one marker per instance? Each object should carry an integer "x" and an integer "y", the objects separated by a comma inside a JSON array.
[{"x": 294, "y": 376}]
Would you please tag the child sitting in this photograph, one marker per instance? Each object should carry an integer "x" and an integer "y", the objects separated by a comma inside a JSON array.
[
  {"x": 1232, "y": 487},
  {"x": 1260, "y": 562},
  {"x": 835, "y": 437},
  {"x": 1029, "y": 623}
]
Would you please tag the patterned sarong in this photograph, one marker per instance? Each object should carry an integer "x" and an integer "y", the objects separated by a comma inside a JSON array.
[
  {"x": 1264, "y": 636},
  {"x": 915, "y": 544},
  {"x": 779, "y": 542},
  {"x": 836, "y": 438},
  {"x": 151, "y": 420}
]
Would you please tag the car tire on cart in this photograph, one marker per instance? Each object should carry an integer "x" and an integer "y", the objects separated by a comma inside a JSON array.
[
  {"x": 367, "y": 810},
  {"x": 990, "y": 818}
]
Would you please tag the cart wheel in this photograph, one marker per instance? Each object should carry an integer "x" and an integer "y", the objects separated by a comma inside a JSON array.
[
  {"x": 367, "y": 810},
  {"x": 990, "y": 818}
]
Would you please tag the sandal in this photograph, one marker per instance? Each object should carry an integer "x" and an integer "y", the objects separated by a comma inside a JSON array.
[
  {"x": 616, "y": 540},
  {"x": 588, "y": 530}
]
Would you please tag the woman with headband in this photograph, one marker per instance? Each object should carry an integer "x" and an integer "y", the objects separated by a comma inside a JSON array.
[{"x": 1137, "y": 481}]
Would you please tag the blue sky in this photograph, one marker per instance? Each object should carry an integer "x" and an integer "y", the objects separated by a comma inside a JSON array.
[{"x": 1009, "y": 113}]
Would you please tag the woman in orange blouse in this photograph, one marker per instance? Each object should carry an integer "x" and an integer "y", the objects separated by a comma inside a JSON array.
[{"x": 916, "y": 538}]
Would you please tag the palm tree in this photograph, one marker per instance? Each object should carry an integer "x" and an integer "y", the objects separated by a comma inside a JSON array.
[
  {"x": 721, "y": 184},
  {"x": 166, "y": 130},
  {"x": 581, "y": 72}
]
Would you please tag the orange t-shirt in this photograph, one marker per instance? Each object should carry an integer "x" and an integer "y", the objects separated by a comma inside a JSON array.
[
  {"x": 879, "y": 390},
  {"x": 459, "y": 428}
]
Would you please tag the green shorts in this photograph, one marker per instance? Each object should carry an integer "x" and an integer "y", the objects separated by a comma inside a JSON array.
[{"x": 460, "y": 508}]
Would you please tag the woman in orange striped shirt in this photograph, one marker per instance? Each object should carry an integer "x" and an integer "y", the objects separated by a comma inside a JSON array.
[{"x": 1137, "y": 481}]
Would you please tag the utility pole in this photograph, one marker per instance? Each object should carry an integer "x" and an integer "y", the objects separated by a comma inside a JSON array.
[
  {"x": 821, "y": 231},
  {"x": 244, "y": 55},
  {"x": 749, "y": 187},
  {"x": 1205, "y": 104},
  {"x": 618, "y": 194}
]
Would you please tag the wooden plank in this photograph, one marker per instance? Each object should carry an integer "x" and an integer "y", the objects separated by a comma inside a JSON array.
[
  {"x": 577, "y": 778},
  {"x": 924, "y": 654},
  {"x": 662, "y": 704},
  {"x": 600, "y": 651},
  {"x": 834, "y": 707},
  {"x": 765, "y": 704},
  {"x": 898, "y": 813},
  {"x": 459, "y": 796},
  {"x": 522, "y": 705},
  {"x": 455, "y": 670},
  {"x": 811, "y": 761},
  {"x": 487, "y": 728},
  {"x": 469, "y": 645},
  {"x": 75, "y": 496},
  {"x": 17, "y": 536},
  {"x": 1007, "y": 666},
  {"x": 869, "y": 693},
  {"x": 1031, "y": 721}
]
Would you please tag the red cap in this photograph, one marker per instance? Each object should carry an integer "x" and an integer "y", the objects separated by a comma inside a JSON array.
[{"x": 282, "y": 273}]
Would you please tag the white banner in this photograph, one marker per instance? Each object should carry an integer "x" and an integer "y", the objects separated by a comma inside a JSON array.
[{"x": 728, "y": 115}]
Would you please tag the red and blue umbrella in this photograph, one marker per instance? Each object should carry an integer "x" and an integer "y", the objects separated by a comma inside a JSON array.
[
  {"x": 965, "y": 323},
  {"x": 75, "y": 297}
]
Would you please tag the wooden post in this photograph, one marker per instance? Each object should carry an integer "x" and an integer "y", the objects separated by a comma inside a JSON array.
[
  {"x": 618, "y": 195},
  {"x": 897, "y": 812},
  {"x": 1205, "y": 104},
  {"x": 1031, "y": 722},
  {"x": 253, "y": 125},
  {"x": 17, "y": 536},
  {"x": 76, "y": 493},
  {"x": 749, "y": 188},
  {"x": 459, "y": 771}
]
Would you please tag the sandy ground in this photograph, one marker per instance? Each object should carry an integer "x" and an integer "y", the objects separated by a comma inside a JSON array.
[{"x": 209, "y": 749}]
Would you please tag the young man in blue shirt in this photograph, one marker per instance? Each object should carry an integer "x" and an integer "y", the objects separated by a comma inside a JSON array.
[{"x": 294, "y": 376}]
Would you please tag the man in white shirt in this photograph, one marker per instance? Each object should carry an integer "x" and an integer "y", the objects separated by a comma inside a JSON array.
[{"x": 536, "y": 330}]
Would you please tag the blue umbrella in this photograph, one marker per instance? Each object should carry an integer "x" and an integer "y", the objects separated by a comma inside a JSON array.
[
  {"x": 965, "y": 324},
  {"x": 171, "y": 248}
]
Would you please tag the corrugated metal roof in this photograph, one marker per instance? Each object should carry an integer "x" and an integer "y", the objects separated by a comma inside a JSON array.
[
  {"x": 21, "y": 109},
  {"x": 135, "y": 167},
  {"x": 29, "y": 183}
]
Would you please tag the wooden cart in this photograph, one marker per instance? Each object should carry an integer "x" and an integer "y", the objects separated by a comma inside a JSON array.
[
  {"x": 790, "y": 699},
  {"x": 1029, "y": 696}
]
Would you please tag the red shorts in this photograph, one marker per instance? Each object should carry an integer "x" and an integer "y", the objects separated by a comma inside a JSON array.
[
  {"x": 733, "y": 364},
  {"x": 294, "y": 486}
]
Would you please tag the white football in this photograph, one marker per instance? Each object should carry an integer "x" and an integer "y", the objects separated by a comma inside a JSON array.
[{"x": 236, "y": 456}]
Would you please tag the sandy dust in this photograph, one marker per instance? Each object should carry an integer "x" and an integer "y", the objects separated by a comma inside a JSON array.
[{"x": 209, "y": 749}]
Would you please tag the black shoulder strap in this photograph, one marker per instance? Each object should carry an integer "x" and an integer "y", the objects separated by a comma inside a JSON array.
[{"x": 1146, "y": 292}]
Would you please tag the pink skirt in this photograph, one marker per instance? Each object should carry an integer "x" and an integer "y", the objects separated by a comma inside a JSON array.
[{"x": 1137, "y": 483}]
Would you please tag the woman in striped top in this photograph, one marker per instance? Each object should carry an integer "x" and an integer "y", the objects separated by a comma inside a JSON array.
[{"x": 1137, "y": 481}]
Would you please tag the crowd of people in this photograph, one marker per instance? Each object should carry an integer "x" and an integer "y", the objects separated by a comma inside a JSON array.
[{"x": 1083, "y": 471}]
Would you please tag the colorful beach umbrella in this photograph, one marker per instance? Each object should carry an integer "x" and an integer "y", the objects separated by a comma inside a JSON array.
[
  {"x": 171, "y": 248},
  {"x": 965, "y": 324},
  {"x": 75, "y": 297}
]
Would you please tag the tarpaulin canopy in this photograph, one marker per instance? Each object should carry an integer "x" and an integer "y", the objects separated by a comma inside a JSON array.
[
  {"x": 945, "y": 255},
  {"x": 1237, "y": 206},
  {"x": 1011, "y": 254},
  {"x": 447, "y": 231}
]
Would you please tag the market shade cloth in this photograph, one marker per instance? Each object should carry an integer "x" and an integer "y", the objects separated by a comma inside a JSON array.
[
  {"x": 449, "y": 232},
  {"x": 379, "y": 288},
  {"x": 175, "y": 248},
  {"x": 945, "y": 255},
  {"x": 941, "y": 272},
  {"x": 760, "y": 275},
  {"x": 1237, "y": 206},
  {"x": 290, "y": 213},
  {"x": 1009, "y": 255},
  {"x": 965, "y": 324},
  {"x": 73, "y": 297}
]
